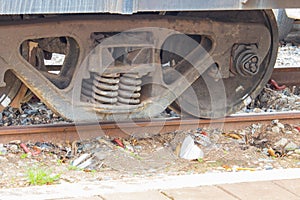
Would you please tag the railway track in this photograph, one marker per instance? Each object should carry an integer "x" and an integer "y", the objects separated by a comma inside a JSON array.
[
  {"x": 288, "y": 76},
  {"x": 72, "y": 131}
]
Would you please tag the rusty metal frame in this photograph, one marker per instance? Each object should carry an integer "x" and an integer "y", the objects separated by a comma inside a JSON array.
[{"x": 13, "y": 34}]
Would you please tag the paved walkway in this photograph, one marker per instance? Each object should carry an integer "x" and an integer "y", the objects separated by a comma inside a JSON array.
[
  {"x": 282, "y": 189},
  {"x": 273, "y": 184}
]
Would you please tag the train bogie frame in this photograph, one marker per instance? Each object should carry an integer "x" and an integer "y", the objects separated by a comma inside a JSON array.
[{"x": 131, "y": 59}]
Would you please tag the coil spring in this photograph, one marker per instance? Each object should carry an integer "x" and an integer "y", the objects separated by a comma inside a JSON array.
[
  {"x": 113, "y": 89},
  {"x": 105, "y": 88},
  {"x": 129, "y": 89}
]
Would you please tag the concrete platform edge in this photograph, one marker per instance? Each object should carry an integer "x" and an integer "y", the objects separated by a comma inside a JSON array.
[{"x": 136, "y": 184}]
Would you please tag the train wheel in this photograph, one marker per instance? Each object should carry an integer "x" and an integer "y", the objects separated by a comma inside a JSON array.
[{"x": 217, "y": 97}]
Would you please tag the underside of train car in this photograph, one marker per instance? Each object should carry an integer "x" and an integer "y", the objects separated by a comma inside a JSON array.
[{"x": 125, "y": 63}]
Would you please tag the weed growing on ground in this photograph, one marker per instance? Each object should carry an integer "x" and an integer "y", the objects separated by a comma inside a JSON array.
[
  {"x": 59, "y": 162},
  {"x": 41, "y": 176},
  {"x": 24, "y": 155},
  {"x": 75, "y": 168}
]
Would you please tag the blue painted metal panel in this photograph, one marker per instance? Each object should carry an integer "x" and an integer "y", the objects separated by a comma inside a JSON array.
[
  {"x": 133, "y": 6},
  {"x": 66, "y": 6}
]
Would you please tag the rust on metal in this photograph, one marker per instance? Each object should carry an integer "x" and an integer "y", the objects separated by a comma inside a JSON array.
[
  {"x": 16, "y": 103},
  {"x": 77, "y": 35},
  {"x": 288, "y": 76},
  {"x": 71, "y": 132}
]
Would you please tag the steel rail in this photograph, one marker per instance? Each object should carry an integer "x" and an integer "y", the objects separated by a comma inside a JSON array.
[
  {"x": 71, "y": 132},
  {"x": 288, "y": 76}
]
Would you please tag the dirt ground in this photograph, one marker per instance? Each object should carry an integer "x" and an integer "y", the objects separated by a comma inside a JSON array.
[{"x": 257, "y": 147}]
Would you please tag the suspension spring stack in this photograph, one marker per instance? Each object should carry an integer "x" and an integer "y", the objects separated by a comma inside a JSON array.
[
  {"x": 129, "y": 89},
  {"x": 113, "y": 89},
  {"x": 105, "y": 88}
]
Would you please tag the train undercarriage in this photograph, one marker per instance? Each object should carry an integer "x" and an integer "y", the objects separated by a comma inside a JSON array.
[{"x": 205, "y": 64}]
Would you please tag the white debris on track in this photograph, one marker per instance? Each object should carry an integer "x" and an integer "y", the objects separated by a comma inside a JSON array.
[
  {"x": 270, "y": 100},
  {"x": 288, "y": 56}
]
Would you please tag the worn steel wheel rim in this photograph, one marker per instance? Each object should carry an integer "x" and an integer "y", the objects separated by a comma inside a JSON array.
[{"x": 202, "y": 106}]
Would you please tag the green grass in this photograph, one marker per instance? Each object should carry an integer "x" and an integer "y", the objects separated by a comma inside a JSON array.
[
  {"x": 59, "y": 162},
  {"x": 135, "y": 156},
  {"x": 75, "y": 168},
  {"x": 24, "y": 155},
  {"x": 41, "y": 176}
]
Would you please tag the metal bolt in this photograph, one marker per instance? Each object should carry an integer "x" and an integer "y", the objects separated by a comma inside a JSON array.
[
  {"x": 246, "y": 60},
  {"x": 253, "y": 67},
  {"x": 254, "y": 59}
]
